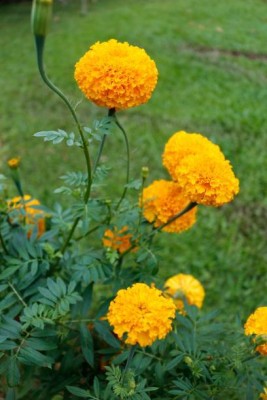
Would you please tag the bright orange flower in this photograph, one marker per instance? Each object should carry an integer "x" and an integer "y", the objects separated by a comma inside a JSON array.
[
  {"x": 116, "y": 75},
  {"x": 117, "y": 240},
  {"x": 256, "y": 324}
]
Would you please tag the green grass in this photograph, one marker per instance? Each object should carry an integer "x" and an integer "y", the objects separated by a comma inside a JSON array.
[{"x": 203, "y": 87}]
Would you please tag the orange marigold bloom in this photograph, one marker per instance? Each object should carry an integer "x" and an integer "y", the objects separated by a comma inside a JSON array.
[
  {"x": 256, "y": 324},
  {"x": 116, "y": 75},
  {"x": 142, "y": 313},
  {"x": 32, "y": 215},
  {"x": 182, "y": 144},
  {"x": 117, "y": 240},
  {"x": 164, "y": 199},
  {"x": 14, "y": 163},
  {"x": 185, "y": 286},
  {"x": 207, "y": 179}
]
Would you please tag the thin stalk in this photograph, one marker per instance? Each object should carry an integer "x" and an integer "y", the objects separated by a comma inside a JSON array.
[
  {"x": 128, "y": 363},
  {"x": 17, "y": 294},
  {"x": 128, "y": 161},
  {"x": 189, "y": 207},
  {"x": 71, "y": 232},
  {"x": 111, "y": 113},
  {"x": 40, "y": 41}
]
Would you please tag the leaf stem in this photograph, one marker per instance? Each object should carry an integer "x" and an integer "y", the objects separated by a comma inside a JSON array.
[{"x": 17, "y": 293}]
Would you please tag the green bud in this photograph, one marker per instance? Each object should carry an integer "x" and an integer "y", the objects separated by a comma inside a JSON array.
[
  {"x": 145, "y": 172},
  {"x": 41, "y": 15},
  {"x": 188, "y": 361}
]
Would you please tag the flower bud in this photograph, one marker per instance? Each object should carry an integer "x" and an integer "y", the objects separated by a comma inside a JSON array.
[
  {"x": 145, "y": 172},
  {"x": 41, "y": 14},
  {"x": 14, "y": 163}
]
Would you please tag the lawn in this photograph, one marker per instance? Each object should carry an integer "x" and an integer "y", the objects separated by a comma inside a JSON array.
[{"x": 212, "y": 79}]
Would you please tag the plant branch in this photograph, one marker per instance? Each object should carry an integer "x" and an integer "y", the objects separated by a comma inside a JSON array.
[{"x": 17, "y": 294}]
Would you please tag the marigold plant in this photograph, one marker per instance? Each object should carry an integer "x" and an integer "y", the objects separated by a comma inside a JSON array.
[
  {"x": 81, "y": 314},
  {"x": 116, "y": 75}
]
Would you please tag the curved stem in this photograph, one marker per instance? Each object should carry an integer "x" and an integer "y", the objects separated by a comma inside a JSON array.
[
  {"x": 189, "y": 207},
  {"x": 40, "y": 41},
  {"x": 128, "y": 161}
]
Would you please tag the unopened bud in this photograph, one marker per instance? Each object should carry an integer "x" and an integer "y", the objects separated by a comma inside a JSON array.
[
  {"x": 188, "y": 361},
  {"x": 14, "y": 163},
  {"x": 41, "y": 15},
  {"x": 145, "y": 172}
]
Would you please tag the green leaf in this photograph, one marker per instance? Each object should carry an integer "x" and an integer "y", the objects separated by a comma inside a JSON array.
[
  {"x": 35, "y": 357},
  {"x": 87, "y": 344},
  {"x": 53, "y": 136},
  {"x": 174, "y": 362},
  {"x": 13, "y": 373},
  {"x": 78, "y": 392},
  {"x": 106, "y": 335}
]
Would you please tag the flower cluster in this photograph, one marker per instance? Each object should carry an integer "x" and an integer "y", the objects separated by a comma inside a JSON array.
[
  {"x": 118, "y": 240},
  {"x": 182, "y": 286},
  {"x": 116, "y": 75},
  {"x": 200, "y": 169},
  {"x": 142, "y": 313},
  {"x": 27, "y": 209},
  {"x": 256, "y": 324},
  {"x": 164, "y": 199}
]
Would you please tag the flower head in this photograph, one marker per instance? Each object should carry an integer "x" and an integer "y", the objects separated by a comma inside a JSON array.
[
  {"x": 26, "y": 207},
  {"x": 182, "y": 144},
  {"x": 256, "y": 324},
  {"x": 116, "y": 75},
  {"x": 142, "y": 313},
  {"x": 14, "y": 163},
  {"x": 207, "y": 179},
  {"x": 117, "y": 240},
  {"x": 163, "y": 200},
  {"x": 185, "y": 286}
]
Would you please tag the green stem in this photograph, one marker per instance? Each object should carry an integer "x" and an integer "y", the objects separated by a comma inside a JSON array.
[
  {"x": 71, "y": 232},
  {"x": 17, "y": 294},
  {"x": 128, "y": 363},
  {"x": 189, "y": 207},
  {"x": 128, "y": 161},
  {"x": 40, "y": 41},
  {"x": 111, "y": 113}
]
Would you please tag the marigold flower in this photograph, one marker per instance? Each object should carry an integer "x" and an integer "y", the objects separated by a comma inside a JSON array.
[
  {"x": 117, "y": 240},
  {"x": 14, "y": 163},
  {"x": 116, "y": 75},
  {"x": 185, "y": 286},
  {"x": 182, "y": 144},
  {"x": 32, "y": 215},
  {"x": 207, "y": 179},
  {"x": 263, "y": 396},
  {"x": 164, "y": 199},
  {"x": 141, "y": 312},
  {"x": 256, "y": 324}
]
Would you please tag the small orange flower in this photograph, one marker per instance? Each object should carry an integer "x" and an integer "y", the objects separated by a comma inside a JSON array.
[
  {"x": 256, "y": 324},
  {"x": 117, "y": 240},
  {"x": 263, "y": 396},
  {"x": 32, "y": 216},
  {"x": 185, "y": 286},
  {"x": 14, "y": 163}
]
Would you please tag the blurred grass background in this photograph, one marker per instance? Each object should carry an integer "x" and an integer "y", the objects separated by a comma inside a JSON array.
[{"x": 212, "y": 62}]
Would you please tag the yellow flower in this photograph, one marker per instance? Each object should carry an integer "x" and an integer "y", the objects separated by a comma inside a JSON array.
[
  {"x": 117, "y": 240},
  {"x": 32, "y": 215},
  {"x": 142, "y": 313},
  {"x": 185, "y": 286},
  {"x": 207, "y": 179},
  {"x": 14, "y": 163},
  {"x": 182, "y": 144},
  {"x": 116, "y": 75},
  {"x": 256, "y": 324},
  {"x": 164, "y": 199}
]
